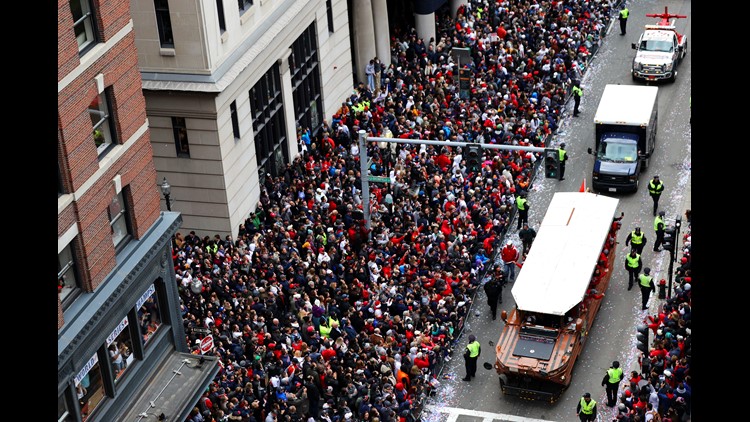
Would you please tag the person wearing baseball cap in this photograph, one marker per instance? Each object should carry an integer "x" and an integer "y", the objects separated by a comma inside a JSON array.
[
  {"x": 586, "y": 409},
  {"x": 646, "y": 281},
  {"x": 471, "y": 355},
  {"x": 659, "y": 227},
  {"x": 655, "y": 188}
]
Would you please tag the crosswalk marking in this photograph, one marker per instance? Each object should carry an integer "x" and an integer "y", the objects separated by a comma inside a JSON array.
[{"x": 455, "y": 412}]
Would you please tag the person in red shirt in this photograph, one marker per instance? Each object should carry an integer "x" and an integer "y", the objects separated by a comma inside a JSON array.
[
  {"x": 509, "y": 255},
  {"x": 422, "y": 361},
  {"x": 443, "y": 161}
]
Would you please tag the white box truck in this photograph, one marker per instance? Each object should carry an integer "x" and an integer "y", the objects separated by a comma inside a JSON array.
[{"x": 625, "y": 136}]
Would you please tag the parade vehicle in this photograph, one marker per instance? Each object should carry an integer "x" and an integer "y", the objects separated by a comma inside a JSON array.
[
  {"x": 557, "y": 293},
  {"x": 660, "y": 49},
  {"x": 624, "y": 136}
]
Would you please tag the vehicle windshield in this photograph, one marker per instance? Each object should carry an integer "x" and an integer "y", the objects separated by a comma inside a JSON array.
[
  {"x": 656, "y": 46},
  {"x": 618, "y": 150}
]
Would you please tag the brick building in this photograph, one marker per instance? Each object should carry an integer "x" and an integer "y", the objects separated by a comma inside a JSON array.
[{"x": 120, "y": 333}]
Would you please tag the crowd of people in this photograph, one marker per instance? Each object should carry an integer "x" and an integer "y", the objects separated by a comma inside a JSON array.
[
  {"x": 317, "y": 317},
  {"x": 662, "y": 390}
]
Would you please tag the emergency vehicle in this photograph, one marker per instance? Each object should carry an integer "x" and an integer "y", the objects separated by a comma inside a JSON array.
[{"x": 660, "y": 49}]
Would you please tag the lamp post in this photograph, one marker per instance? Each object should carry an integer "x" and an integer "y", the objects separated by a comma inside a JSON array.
[{"x": 166, "y": 189}]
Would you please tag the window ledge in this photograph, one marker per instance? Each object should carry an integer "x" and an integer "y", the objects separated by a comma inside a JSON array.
[
  {"x": 167, "y": 52},
  {"x": 224, "y": 36},
  {"x": 246, "y": 16}
]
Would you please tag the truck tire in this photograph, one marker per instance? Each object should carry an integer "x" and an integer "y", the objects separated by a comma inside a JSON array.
[
  {"x": 503, "y": 380},
  {"x": 684, "y": 51},
  {"x": 674, "y": 75}
]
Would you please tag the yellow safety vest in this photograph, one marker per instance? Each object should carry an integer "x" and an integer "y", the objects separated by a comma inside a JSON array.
[
  {"x": 587, "y": 408},
  {"x": 655, "y": 189},
  {"x": 521, "y": 203},
  {"x": 615, "y": 375},
  {"x": 473, "y": 349},
  {"x": 325, "y": 332},
  {"x": 331, "y": 320},
  {"x": 562, "y": 153},
  {"x": 645, "y": 280},
  {"x": 658, "y": 220},
  {"x": 635, "y": 239},
  {"x": 633, "y": 261},
  {"x": 624, "y": 13}
]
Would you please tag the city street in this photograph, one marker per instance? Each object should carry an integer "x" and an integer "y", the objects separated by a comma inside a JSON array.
[{"x": 613, "y": 333}]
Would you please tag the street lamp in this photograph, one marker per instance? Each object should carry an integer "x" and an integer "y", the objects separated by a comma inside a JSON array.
[{"x": 166, "y": 189}]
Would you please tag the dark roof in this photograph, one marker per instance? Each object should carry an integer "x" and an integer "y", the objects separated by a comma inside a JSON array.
[{"x": 174, "y": 388}]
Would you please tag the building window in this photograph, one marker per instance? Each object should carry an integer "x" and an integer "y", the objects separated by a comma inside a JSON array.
[
  {"x": 149, "y": 317},
  {"x": 244, "y": 5},
  {"x": 305, "y": 71},
  {"x": 68, "y": 286},
  {"x": 164, "y": 23},
  {"x": 181, "y": 137},
  {"x": 89, "y": 387},
  {"x": 329, "y": 13},
  {"x": 64, "y": 413},
  {"x": 120, "y": 348},
  {"x": 84, "y": 25},
  {"x": 102, "y": 122},
  {"x": 268, "y": 124},
  {"x": 235, "y": 119},
  {"x": 220, "y": 13},
  {"x": 119, "y": 221}
]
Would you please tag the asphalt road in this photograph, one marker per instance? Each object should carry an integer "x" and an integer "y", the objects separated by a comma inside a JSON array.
[{"x": 613, "y": 334}]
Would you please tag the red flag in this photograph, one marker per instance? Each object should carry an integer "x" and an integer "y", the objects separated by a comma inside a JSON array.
[{"x": 583, "y": 185}]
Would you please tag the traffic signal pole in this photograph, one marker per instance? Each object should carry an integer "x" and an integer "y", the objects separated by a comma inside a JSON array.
[
  {"x": 363, "y": 139},
  {"x": 673, "y": 253}
]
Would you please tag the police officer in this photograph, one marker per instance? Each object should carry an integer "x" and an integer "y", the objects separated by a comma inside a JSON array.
[
  {"x": 577, "y": 94},
  {"x": 471, "y": 355},
  {"x": 611, "y": 382},
  {"x": 659, "y": 229},
  {"x": 563, "y": 156},
  {"x": 624, "y": 12},
  {"x": 655, "y": 188},
  {"x": 637, "y": 240},
  {"x": 647, "y": 286},
  {"x": 586, "y": 409},
  {"x": 632, "y": 266},
  {"x": 522, "y": 205}
]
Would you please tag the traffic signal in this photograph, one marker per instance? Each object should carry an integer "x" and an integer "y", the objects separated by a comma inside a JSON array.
[
  {"x": 474, "y": 158},
  {"x": 551, "y": 163},
  {"x": 642, "y": 338},
  {"x": 670, "y": 238}
]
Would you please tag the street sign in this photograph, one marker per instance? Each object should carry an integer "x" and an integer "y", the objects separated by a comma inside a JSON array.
[
  {"x": 379, "y": 179},
  {"x": 207, "y": 344},
  {"x": 464, "y": 83}
]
